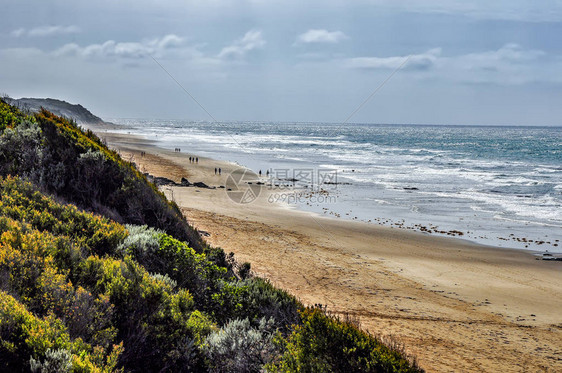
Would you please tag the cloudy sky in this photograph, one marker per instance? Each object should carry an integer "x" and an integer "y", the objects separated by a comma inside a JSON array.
[{"x": 463, "y": 62}]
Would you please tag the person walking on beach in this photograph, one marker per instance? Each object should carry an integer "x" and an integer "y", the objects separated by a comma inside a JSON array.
[
  {"x": 260, "y": 173},
  {"x": 197, "y": 160},
  {"x": 189, "y": 159},
  {"x": 215, "y": 170},
  {"x": 220, "y": 170}
]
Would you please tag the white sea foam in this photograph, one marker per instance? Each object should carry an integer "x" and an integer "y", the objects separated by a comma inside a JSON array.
[{"x": 447, "y": 176}]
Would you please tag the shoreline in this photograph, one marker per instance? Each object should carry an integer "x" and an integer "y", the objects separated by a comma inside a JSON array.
[
  {"x": 429, "y": 190},
  {"x": 453, "y": 303},
  {"x": 123, "y": 142}
]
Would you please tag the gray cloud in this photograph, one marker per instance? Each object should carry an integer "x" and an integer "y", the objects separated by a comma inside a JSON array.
[
  {"x": 112, "y": 48},
  {"x": 511, "y": 64},
  {"x": 508, "y": 65},
  {"x": 510, "y": 53},
  {"x": 45, "y": 31},
  {"x": 422, "y": 61}
]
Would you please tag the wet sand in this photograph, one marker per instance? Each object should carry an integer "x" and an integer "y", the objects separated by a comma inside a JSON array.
[{"x": 454, "y": 305}]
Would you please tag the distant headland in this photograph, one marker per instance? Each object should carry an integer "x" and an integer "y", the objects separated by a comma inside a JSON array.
[{"x": 59, "y": 107}]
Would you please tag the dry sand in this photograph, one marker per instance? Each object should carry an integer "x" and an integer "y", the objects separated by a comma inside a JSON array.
[{"x": 454, "y": 305}]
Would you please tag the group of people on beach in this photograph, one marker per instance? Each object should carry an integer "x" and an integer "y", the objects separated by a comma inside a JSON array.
[
  {"x": 177, "y": 150},
  {"x": 218, "y": 170}
]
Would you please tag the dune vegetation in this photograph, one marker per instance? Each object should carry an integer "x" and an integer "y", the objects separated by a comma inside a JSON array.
[{"x": 100, "y": 273}]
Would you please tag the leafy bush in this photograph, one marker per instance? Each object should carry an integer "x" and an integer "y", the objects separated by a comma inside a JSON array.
[
  {"x": 19, "y": 200},
  {"x": 21, "y": 150},
  {"x": 255, "y": 298},
  {"x": 141, "y": 241},
  {"x": 239, "y": 347},
  {"x": 150, "y": 316},
  {"x": 23, "y": 335},
  {"x": 25, "y": 338},
  {"x": 56, "y": 361},
  {"x": 245, "y": 270},
  {"x": 10, "y": 116},
  {"x": 161, "y": 253},
  {"x": 326, "y": 344},
  {"x": 201, "y": 325}
]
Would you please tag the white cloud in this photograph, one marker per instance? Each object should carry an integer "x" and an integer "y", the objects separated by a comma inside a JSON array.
[
  {"x": 168, "y": 41},
  {"x": 112, "y": 48},
  {"x": 253, "y": 39},
  {"x": 45, "y": 31},
  {"x": 320, "y": 36},
  {"x": 416, "y": 61}
]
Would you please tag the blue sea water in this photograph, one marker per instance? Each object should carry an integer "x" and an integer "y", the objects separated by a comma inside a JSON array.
[{"x": 498, "y": 185}]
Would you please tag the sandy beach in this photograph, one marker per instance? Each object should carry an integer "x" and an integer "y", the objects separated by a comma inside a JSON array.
[{"x": 454, "y": 305}]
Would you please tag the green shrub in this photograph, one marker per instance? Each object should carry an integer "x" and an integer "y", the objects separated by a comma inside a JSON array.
[
  {"x": 256, "y": 298},
  {"x": 245, "y": 270},
  {"x": 56, "y": 361},
  {"x": 142, "y": 241},
  {"x": 150, "y": 315},
  {"x": 10, "y": 116},
  {"x": 161, "y": 253},
  {"x": 20, "y": 200},
  {"x": 21, "y": 150},
  {"x": 240, "y": 348},
  {"x": 201, "y": 326},
  {"x": 23, "y": 335},
  {"x": 326, "y": 344}
]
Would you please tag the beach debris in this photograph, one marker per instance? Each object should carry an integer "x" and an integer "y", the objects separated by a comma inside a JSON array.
[
  {"x": 549, "y": 256},
  {"x": 204, "y": 233}
]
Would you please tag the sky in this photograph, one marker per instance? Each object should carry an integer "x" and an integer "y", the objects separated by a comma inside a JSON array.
[{"x": 427, "y": 62}]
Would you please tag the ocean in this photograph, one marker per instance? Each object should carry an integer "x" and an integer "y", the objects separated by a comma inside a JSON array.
[{"x": 493, "y": 185}]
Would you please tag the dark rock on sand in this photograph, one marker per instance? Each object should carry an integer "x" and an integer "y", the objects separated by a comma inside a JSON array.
[
  {"x": 163, "y": 181},
  {"x": 201, "y": 184}
]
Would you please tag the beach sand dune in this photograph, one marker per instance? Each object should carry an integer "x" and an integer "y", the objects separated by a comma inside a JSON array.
[{"x": 454, "y": 305}]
